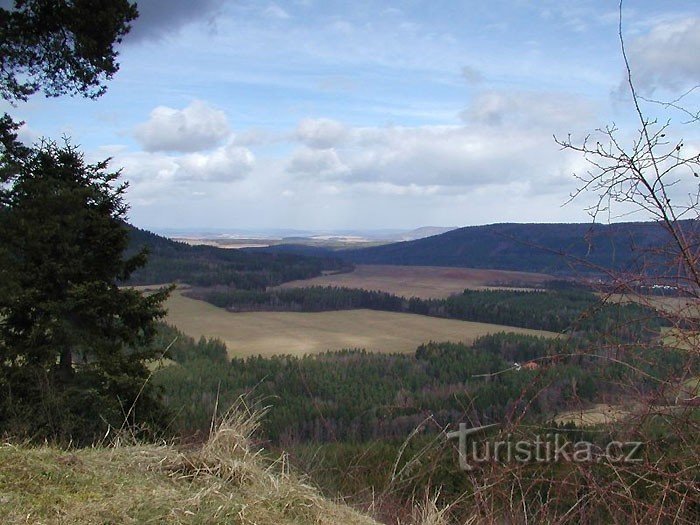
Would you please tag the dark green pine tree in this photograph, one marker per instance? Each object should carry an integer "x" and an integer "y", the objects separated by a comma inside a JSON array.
[
  {"x": 60, "y": 46},
  {"x": 73, "y": 344}
]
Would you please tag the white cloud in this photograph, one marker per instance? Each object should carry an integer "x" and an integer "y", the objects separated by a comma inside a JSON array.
[
  {"x": 387, "y": 188},
  {"x": 321, "y": 133},
  {"x": 195, "y": 128},
  {"x": 553, "y": 111},
  {"x": 140, "y": 167},
  {"x": 317, "y": 163},
  {"x": 183, "y": 149},
  {"x": 506, "y": 139},
  {"x": 26, "y": 135},
  {"x": 227, "y": 163},
  {"x": 667, "y": 56},
  {"x": 275, "y": 11},
  {"x": 157, "y": 175}
]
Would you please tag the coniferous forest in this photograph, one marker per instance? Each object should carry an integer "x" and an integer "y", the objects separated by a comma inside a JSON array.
[
  {"x": 171, "y": 261},
  {"x": 357, "y": 396},
  {"x": 555, "y": 310},
  {"x": 237, "y": 117},
  {"x": 354, "y": 411}
]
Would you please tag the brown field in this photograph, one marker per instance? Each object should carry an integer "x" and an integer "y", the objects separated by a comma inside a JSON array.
[
  {"x": 229, "y": 244},
  {"x": 680, "y": 339},
  {"x": 425, "y": 282},
  {"x": 674, "y": 306},
  {"x": 600, "y": 414},
  {"x": 607, "y": 414},
  {"x": 325, "y": 242},
  {"x": 269, "y": 333}
]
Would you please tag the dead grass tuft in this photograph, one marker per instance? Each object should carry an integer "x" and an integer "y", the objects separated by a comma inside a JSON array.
[{"x": 227, "y": 480}]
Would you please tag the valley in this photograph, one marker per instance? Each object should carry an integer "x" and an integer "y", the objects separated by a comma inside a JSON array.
[
  {"x": 299, "y": 333},
  {"x": 348, "y": 263}
]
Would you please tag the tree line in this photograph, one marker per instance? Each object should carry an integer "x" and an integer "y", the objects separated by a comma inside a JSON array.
[
  {"x": 556, "y": 310},
  {"x": 356, "y": 396},
  {"x": 172, "y": 261}
]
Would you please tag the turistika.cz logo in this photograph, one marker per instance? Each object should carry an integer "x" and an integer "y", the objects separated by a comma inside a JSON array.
[{"x": 552, "y": 447}]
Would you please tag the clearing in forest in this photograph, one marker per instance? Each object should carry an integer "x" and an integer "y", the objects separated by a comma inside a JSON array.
[
  {"x": 269, "y": 333},
  {"x": 425, "y": 282}
]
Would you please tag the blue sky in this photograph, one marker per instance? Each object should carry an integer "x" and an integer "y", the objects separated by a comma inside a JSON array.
[{"x": 330, "y": 115}]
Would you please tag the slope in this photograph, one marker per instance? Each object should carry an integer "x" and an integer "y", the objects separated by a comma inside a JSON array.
[
  {"x": 546, "y": 248},
  {"x": 225, "y": 480},
  {"x": 170, "y": 261}
]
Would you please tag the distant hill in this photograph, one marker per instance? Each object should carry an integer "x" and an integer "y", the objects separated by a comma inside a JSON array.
[
  {"x": 172, "y": 261},
  {"x": 424, "y": 231},
  {"x": 547, "y": 248},
  {"x": 297, "y": 249}
]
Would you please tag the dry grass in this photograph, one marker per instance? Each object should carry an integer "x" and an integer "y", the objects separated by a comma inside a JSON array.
[
  {"x": 676, "y": 307},
  {"x": 425, "y": 282},
  {"x": 680, "y": 339},
  {"x": 600, "y": 414},
  {"x": 224, "y": 481},
  {"x": 268, "y": 333},
  {"x": 429, "y": 512}
]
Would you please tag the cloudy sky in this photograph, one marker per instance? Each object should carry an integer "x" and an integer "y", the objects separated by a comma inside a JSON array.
[{"x": 320, "y": 114}]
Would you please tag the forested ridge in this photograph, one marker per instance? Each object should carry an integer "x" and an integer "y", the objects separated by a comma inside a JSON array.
[
  {"x": 171, "y": 261},
  {"x": 564, "y": 249},
  {"x": 87, "y": 364},
  {"x": 547, "y": 248}
]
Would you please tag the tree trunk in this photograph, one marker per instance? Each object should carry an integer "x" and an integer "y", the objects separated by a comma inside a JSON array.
[{"x": 65, "y": 365}]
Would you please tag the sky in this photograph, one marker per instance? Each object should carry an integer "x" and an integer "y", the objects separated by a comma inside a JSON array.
[{"x": 329, "y": 115}]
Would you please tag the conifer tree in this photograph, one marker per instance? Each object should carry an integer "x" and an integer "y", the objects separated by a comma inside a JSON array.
[
  {"x": 73, "y": 344},
  {"x": 67, "y": 327}
]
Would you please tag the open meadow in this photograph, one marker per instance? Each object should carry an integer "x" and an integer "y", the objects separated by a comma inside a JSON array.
[
  {"x": 678, "y": 307},
  {"x": 269, "y": 333},
  {"x": 424, "y": 282},
  {"x": 599, "y": 414}
]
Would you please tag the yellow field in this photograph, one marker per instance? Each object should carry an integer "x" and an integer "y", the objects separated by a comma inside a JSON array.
[
  {"x": 268, "y": 333},
  {"x": 425, "y": 282}
]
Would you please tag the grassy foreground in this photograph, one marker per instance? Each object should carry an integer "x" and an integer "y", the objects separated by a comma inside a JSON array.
[{"x": 223, "y": 481}]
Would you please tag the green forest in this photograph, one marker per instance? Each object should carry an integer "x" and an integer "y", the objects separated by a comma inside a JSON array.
[
  {"x": 349, "y": 419},
  {"x": 563, "y": 249},
  {"x": 555, "y": 310},
  {"x": 176, "y": 262},
  {"x": 233, "y": 115},
  {"x": 358, "y": 396}
]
